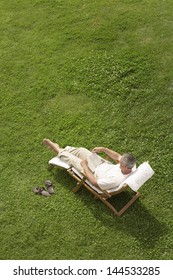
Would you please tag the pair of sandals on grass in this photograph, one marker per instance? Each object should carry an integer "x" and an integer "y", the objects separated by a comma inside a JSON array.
[{"x": 42, "y": 191}]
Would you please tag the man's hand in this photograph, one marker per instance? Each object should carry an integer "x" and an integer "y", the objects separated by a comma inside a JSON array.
[
  {"x": 98, "y": 149},
  {"x": 110, "y": 153}
]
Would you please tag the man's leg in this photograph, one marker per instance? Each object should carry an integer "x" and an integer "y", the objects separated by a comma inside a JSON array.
[
  {"x": 74, "y": 156},
  {"x": 53, "y": 146},
  {"x": 71, "y": 155},
  {"x": 81, "y": 153}
]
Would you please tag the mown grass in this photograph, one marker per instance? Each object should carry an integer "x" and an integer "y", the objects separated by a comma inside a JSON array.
[{"x": 84, "y": 73}]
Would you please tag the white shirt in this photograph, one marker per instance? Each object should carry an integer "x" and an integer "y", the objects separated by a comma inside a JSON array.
[{"x": 109, "y": 175}]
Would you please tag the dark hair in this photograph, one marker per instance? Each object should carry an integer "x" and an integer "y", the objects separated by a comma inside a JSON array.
[{"x": 128, "y": 160}]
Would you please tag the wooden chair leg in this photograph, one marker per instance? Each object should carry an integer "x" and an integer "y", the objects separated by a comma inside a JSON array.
[
  {"x": 135, "y": 197},
  {"x": 79, "y": 185},
  {"x": 50, "y": 167}
]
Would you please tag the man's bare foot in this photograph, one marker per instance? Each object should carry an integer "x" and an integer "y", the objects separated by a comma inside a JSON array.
[
  {"x": 48, "y": 143},
  {"x": 51, "y": 145}
]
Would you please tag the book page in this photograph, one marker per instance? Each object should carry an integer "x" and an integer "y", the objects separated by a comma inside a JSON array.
[{"x": 93, "y": 161}]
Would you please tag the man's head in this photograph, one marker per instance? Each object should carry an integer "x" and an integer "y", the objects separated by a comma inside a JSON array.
[{"x": 127, "y": 162}]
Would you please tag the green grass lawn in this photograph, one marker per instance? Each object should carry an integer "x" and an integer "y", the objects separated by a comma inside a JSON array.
[{"x": 85, "y": 73}]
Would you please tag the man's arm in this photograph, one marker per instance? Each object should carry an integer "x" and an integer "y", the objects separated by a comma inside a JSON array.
[
  {"x": 110, "y": 153},
  {"x": 90, "y": 176}
]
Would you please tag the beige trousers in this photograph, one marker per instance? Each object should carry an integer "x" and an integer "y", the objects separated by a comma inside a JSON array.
[{"x": 73, "y": 156}]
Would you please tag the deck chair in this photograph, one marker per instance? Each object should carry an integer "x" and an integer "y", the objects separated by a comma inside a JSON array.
[{"x": 133, "y": 182}]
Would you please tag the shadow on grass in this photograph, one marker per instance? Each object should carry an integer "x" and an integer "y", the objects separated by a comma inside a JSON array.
[{"x": 137, "y": 221}]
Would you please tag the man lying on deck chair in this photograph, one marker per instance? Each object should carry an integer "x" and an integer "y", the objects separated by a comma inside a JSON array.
[{"x": 106, "y": 175}]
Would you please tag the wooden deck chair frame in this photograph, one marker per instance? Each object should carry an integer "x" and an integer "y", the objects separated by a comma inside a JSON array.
[
  {"x": 133, "y": 182},
  {"x": 105, "y": 195}
]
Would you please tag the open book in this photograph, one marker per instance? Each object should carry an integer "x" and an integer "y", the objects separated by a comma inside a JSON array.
[{"x": 93, "y": 161}]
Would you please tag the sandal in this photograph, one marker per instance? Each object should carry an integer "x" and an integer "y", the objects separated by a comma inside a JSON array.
[
  {"x": 49, "y": 186},
  {"x": 38, "y": 190}
]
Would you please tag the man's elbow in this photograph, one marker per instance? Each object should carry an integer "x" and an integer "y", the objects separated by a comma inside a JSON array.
[{"x": 94, "y": 183}]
